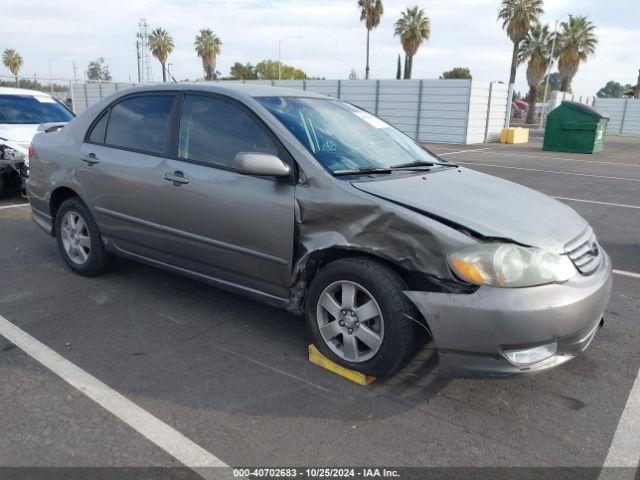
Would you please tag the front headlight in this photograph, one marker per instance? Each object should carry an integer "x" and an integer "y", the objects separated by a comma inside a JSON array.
[{"x": 509, "y": 265}]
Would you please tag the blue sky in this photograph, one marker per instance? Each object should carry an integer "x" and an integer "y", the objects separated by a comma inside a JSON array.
[{"x": 463, "y": 33}]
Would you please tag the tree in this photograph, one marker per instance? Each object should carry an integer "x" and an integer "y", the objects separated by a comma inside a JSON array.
[
  {"x": 161, "y": 46},
  {"x": 554, "y": 84},
  {"x": 517, "y": 18},
  {"x": 457, "y": 72},
  {"x": 612, "y": 90},
  {"x": 243, "y": 72},
  {"x": 268, "y": 70},
  {"x": 353, "y": 75},
  {"x": 576, "y": 43},
  {"x": 413, "y": 28},
  {"x": 536, "y": 49},
  {"x": 13, "y": 61},
  {"x": 399, "y": 69},
  {"x": 207, "y": 47},
  {"x": 370, "y": 13},
  {"x": 98, "y": 70}
]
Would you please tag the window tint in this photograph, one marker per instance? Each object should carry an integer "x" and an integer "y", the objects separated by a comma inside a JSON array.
[
  {"x": 213, "y": 131},
  {"x": 140, "y": 123},
  {"x": 99, "y": 130}
]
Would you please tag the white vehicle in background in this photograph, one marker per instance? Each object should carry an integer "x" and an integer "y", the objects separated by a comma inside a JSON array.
[{"x": 22, "y": 114}]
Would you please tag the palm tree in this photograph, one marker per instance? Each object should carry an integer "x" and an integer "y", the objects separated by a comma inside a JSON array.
[
  {"x": 517, "y": 18},
  {"x": 370, "y": 13},
  {"x": 161, "y": 45},
  {"x": 576, "y": 42},
  {"x": 536, "y": 48},
  {"x": 208, "y": 48},
  {"x": 12, "y": 60},
  {"x": 413, "y": 28}
]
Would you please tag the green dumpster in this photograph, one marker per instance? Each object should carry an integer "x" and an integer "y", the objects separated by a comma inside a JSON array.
[{"x": 575, "y": 127}]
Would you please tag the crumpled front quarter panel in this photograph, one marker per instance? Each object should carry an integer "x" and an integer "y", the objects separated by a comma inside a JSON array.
[{"x": 333, "y": 214}]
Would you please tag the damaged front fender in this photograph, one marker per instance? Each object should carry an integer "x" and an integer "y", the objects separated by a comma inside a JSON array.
[{"x": 334, "y": 214}]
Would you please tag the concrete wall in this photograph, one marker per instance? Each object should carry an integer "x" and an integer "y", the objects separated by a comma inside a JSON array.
[{"x": 445, "y": 111}]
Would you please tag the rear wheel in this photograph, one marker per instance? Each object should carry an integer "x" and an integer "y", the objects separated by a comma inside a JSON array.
[
  {"x": 79, "y": 239},
  {"x": 357, "y": 316}
]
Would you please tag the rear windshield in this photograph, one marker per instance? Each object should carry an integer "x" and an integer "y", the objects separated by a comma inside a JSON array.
[{"x": 29, "y": 109}]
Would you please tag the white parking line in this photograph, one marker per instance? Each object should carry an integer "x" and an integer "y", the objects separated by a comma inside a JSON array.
[
  {"x": 4, "y": 207},
  {"x": 545, "y": 157},
  {"x": 464, "y": 151},
  {"x": 154, "y": 429},
  {"x": 550, "y": 171},
  {"x": 600, "y": 203},
  {"x": 624, "y": 450},
  {"x": 627, "y": 274}
]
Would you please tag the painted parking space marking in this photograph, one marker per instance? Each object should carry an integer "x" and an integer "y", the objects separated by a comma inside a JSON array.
[
  {"x": 546, "y": 157},
  {"x": 624, "y": 450},
  {"x": 464, "y": 151},
  {"x": 151, "y": 427},
  {"x": 6, "y": 207},
  {"x": 550, "y": 171},
  {"x": 627, "y": 274},
  {"x": 597, "y": 202}
]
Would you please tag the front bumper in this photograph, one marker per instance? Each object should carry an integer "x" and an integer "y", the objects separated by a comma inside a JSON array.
[{"x": 471, "y": 331}]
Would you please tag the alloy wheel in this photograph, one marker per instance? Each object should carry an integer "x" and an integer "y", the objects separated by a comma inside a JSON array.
[
  {"x": 76, "y": 238},
  {"x": 350, "y": 321}
]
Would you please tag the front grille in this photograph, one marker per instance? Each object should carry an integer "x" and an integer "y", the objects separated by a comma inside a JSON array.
[{"x": 584, "y": 252}]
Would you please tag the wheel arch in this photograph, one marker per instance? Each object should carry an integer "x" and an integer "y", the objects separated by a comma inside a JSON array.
[
  {"x": 58, "y": 197},
  {"x": 320, "y": 258}
]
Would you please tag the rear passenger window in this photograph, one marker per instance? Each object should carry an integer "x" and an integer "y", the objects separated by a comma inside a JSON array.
[
  {"x": 99, "y": 130},
  {"x": 214, "y": 130},
  {"x": 140, "y": 123}
]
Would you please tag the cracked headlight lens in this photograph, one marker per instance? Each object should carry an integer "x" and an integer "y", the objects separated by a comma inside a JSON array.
[{"x": 510, "y": 265}]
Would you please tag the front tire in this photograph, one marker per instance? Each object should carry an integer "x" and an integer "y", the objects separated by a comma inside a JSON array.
[
  {"x": 357, "y": 316},
  {"x": 79, "y": 239}
]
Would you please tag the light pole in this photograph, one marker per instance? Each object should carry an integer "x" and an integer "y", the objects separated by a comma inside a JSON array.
[
  {"x": 280, "y": 42},
  {"x": 545, "y": 108},
  {"x": 50, "y": 60}
]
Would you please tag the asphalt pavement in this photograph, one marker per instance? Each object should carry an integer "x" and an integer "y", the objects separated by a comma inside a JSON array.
[{"x": 231, "y": 375}]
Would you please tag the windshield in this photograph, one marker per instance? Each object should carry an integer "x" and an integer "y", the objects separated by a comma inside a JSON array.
[
  {"x": 344, "y": 137},
  {"x": 29, "y": 109}
]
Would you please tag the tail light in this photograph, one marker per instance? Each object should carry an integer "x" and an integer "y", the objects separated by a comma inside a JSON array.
[{"x": 32, "y": 151}]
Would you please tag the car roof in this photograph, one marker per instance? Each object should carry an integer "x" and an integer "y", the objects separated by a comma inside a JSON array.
[
  {"x": 234, "y": 89},
  {"x": 22, "y": 91}
]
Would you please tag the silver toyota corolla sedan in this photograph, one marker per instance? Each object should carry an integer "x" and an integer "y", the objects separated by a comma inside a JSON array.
[{"x": 314, "y": 205}]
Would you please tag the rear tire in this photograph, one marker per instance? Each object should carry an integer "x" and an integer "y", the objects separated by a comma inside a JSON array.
[
  {"x": 368, "y": 330},
  {"x": 79, "y": 239}
]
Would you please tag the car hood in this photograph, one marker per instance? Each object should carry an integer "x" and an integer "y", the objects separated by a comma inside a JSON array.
[
  {"x": 487, "y": 205},
  {"x": 21, "y": 134}
]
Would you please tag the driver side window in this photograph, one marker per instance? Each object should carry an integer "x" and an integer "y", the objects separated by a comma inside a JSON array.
[{"x": 213, "y": 131}]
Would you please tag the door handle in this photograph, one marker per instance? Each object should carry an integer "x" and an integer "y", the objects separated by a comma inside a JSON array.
[
  {"x": 90, "y": 159},
  {"x": 176, "y": 178}
]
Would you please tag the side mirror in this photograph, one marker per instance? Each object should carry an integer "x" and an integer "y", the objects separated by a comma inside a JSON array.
[{"x": 261, "y": 164}]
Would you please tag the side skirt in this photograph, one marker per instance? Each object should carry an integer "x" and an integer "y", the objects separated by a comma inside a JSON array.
[{"x": 215, "y": 282}]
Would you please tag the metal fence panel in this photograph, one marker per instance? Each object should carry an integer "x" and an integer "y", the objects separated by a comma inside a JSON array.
[
  {"x": 447, "y": 111},
  {"x": 624, "y": 114}
]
